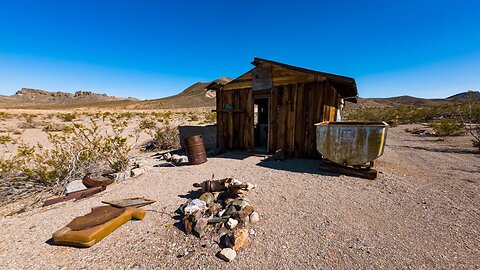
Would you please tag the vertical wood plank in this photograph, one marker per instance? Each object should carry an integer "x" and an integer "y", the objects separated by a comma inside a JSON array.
[{"x": 299, "y": 120}]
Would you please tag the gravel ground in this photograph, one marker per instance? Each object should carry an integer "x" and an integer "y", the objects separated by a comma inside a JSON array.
[{"x": 421, "y": 213}]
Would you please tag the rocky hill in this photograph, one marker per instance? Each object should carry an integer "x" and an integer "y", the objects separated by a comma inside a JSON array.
[
  {"x": 194, "y": 96},
  {"x": 27, "y": 98},
  {"x": 465, "y": 95},
  {"x": 410, "y": 101}
]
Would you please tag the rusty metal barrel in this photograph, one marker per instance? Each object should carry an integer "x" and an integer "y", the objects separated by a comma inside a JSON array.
[{"x": 195, "y": 150}]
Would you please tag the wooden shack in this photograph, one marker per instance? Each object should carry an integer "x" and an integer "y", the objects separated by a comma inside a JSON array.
[{"x": 275, "y": 106}]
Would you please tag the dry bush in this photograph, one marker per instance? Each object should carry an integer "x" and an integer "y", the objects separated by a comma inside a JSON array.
[
  {"x": 67, "y": 117},
  {"x": 468, "y": 113},
  {"x": 194, "y": 117},
  {"x": 37, "y": 172},
  {"x": 447, "y": 127},
  {"x": 210, "y": 117},
  {"x": 147, "y": 124},
  {"x": 164, "y": 138},
  {"x": 54, "y": 127}
]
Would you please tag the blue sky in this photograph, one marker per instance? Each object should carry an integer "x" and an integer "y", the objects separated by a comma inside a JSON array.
[{"x": 151, "y": 49}]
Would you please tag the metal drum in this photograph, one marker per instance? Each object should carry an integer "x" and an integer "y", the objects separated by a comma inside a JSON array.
[{"x": 195, "y": 150}]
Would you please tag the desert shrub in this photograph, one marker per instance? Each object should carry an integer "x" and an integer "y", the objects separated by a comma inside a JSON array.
[
  {"x": 167, "y": 115},
  {"x": 468, "y": 113},
  {"x": 54, "y": 127},
  {"x": 38, "y": 172},
  {"x": 210, "y": 117},
  {"x": 194, "y": 117},
  {"x": 147, "y": 124},
  {"x": 165, "y": 138},
  {"x": 4, "y": 115},
  {"x": 126, "y": 115},
  {"x": 67, "y": 117},
  {"x": 447, "y": 127},
  {"x": 402, "y": 114}
]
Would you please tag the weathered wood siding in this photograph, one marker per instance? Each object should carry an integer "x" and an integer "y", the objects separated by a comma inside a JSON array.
[
  {"x": 293, "y": 111},
  {"x": 235, "y": 127}
]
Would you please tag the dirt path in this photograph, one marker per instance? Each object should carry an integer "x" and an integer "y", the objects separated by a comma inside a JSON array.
[{"x": 421, "y": 213}]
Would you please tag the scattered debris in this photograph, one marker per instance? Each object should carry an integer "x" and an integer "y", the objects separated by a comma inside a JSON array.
[
  {"x": 279, "y": 155},
  {"x": 174, "y": 159},
  {"x": 73, "y": 186},
  {"x": 221, "y": 210},
  {"x": 130, "y": 202},
  {"x": 89, "y": 182},
  {"x": 75, "y": 195},
  {"x": 89, "y": 229},
  {"x": 230, "y": 185}
]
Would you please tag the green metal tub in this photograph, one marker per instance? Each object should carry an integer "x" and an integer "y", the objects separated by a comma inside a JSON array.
[{"x": 351, "y": 143}]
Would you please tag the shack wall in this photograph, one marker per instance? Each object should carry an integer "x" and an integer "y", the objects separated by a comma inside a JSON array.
[
  {"x": 293, "y": 111},
  {"x": 235, "y": 119}
]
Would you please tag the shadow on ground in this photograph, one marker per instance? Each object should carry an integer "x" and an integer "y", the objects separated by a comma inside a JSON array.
[
  {"x": 445, "y": 150},
  {"x": 295, "y": 165}
]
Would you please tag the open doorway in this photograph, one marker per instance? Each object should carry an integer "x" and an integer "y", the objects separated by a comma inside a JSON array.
[{"x": 260, "y": 124}]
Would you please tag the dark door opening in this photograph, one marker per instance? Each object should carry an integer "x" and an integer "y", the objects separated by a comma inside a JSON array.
[{"x": 260, "y": 124}]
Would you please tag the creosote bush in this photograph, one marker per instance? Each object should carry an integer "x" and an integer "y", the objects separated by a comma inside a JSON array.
[
  {"x": 468, "y": 113},
  {"x": 447, "y": 127},
  {"x": 165, "y": 138},
  {"x": 35, "y": 171}
]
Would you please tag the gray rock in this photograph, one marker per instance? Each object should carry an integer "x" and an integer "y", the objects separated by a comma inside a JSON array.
[
  {"x": 227, "y": 254},
  {"x": 74, "y": 186}
]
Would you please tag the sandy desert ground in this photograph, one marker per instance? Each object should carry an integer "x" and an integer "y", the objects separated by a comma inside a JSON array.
[{"x": 423, "y": 212}]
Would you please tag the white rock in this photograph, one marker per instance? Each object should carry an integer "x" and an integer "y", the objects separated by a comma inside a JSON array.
[
  {"x": 254, "y": 217},
  {"x": 176, "y": 158},
  {"x": 221, "y": 212},
  {"x": 252, "y": 232},
  {"x": 250, "y": 186},
  {"x": 136, "y": 172},
  {"x": 236, "y": 182},
  {"x": 74, "y": 186},
  {"x": 167, "y": 156},
  {"x": 195, "y": 205},
  {"x": 232, "y": 223},
  {"x": 227, "y": 254}
]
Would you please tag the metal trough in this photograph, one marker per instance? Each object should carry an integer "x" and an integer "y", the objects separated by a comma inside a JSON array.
[{"x": 351, "y": 143}]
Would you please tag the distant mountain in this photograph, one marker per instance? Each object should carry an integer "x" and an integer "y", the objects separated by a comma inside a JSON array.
[
  {"x": 409, "y": 101},
  {"x": 465, "y": 95},
  {"x": 194, "y": 96},
  {"x": 28, "y": 98}
]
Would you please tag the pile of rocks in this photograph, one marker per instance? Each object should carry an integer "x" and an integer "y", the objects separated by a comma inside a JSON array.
[
  {"x": 222, "y": 209},
  {"x": 174, "y": 159}
]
